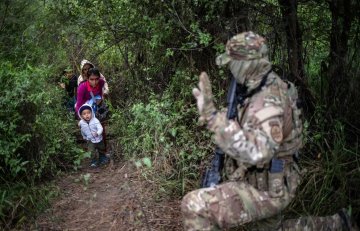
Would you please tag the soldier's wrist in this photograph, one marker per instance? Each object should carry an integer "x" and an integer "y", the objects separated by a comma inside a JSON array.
[{"x": 210, "y": 119}]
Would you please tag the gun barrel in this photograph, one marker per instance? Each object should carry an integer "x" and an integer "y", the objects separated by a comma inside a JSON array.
[{"x": 231, "y": 99}]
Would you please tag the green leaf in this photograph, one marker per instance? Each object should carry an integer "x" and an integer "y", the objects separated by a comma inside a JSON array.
[
  {"x": 173, "y": 132},
  {"x": 147, "y": 162},
  {"x": 138, "y": 164}
]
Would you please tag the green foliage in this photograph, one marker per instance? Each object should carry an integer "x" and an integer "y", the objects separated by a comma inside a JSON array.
[
  {"x": 162, "y": 131},
  {"x": 21, "y": 202},
  {"x": 331, "y": 174},
  {"x": 35, "y": 134},
  {"x": 29, "y": 33}
]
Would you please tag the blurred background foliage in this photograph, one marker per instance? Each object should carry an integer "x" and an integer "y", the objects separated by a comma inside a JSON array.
[{"x": 151, "y": 53}]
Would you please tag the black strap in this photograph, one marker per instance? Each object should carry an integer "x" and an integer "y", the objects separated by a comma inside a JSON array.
[{"x": 243, "y": 94}]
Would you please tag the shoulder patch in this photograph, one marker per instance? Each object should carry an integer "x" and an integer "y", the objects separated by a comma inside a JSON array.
[
  {"x": 275, "y": 132},
  {"x": 268, "y": 112}
]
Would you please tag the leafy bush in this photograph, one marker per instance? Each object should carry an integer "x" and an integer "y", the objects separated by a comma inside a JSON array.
[
  {"x": 36, "y": 136},
  {"x": 163, "y": 130}
]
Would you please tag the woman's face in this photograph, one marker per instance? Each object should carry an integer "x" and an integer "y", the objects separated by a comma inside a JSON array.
[
  {"x": 93, "y": 80},
  {"x": 85, "y": 69}
]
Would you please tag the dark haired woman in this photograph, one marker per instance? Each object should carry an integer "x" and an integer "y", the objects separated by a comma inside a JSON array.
[
  {"x": 93, "y": 85},
  {"x": 85, "y": 65}
]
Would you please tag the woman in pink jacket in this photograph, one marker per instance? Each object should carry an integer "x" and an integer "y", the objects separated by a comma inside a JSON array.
[
  {"x": 94, "y": 84},
  {"x": 85, "y": 65}
]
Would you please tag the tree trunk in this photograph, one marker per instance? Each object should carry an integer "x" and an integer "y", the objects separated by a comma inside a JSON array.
[
  {"x": 295, "y": 51},
  {"x": 294, "y": 39},
  {"x": 340, "y": 29}
]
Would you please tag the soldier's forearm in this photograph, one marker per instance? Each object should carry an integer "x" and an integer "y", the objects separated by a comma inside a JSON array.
[{"x": 238, "y": 144}]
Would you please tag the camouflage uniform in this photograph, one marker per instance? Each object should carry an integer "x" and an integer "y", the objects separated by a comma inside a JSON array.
[{"x": 268, "y": 130}]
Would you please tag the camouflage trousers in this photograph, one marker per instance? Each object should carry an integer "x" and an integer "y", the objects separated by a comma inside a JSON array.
[{"x": 237, "y": 203}]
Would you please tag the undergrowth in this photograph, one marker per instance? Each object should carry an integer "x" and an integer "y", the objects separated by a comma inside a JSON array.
[
  {"x": 165, "y": 130},
  {"x": 330, "y": 171},
  {"x": 36, "y": 141}
]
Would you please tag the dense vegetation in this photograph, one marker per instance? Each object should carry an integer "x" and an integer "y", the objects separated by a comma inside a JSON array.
[{"x": 151, "y": 53}]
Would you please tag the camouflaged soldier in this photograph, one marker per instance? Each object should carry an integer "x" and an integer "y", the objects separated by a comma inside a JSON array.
[{"x": 260, "y": 172}]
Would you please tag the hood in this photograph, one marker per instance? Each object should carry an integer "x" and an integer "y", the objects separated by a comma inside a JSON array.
[
  {"x": 86, "y": 106},
  {"x": 83, "y": 62}
]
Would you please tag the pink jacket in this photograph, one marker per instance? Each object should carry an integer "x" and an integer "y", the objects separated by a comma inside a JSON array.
[{"x": 84, "y": 95}]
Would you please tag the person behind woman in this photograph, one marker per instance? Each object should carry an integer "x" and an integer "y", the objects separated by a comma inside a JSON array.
[
  {"x": 85, "y": 65},
  {"x": 68, "y": 82}
]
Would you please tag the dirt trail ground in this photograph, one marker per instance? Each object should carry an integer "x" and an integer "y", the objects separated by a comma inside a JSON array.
[{"x": 114, "y": 197}]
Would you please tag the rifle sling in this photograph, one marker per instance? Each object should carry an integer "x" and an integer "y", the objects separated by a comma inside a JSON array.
[{"x": 246, "y": 95}]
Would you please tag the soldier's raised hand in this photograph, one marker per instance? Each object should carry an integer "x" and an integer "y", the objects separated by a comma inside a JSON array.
[{"x": 204, "y": 98}]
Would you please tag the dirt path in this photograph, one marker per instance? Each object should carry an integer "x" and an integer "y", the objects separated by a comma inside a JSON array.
[{"x": 114, "y": 198}]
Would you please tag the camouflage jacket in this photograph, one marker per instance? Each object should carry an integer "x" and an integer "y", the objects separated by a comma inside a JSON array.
[{"x": 268, "y": 125}]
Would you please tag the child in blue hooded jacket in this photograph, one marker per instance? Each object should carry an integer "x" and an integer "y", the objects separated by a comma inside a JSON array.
[{"x": 91, "y": 130}]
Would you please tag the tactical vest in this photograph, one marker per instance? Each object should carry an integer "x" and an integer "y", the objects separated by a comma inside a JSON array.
[
  {"x": 258, "y": 109},
  {"x": 283, "y": 94},
  {"x": 293, "y": 125}
]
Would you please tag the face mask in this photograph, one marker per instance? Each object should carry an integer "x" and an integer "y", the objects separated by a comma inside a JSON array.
[
  {"x": 238, "y": 69},
  {"x": 249, "y": 72}
]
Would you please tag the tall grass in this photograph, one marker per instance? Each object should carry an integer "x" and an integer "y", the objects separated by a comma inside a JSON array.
[{"x": 330, "y": 172}]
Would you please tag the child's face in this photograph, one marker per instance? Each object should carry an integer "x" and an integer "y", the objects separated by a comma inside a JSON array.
[{"x": 86, "y": 114}]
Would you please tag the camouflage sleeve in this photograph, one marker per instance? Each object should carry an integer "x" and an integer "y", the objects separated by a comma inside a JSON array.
[{"x": 256, "y": 141}]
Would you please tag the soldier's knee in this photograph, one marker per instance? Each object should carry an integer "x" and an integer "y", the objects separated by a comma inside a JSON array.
[
  {"x": 192, "y": 203},
  {"x": 185, "y": 203},
  {"x": 195, "y": 213}
]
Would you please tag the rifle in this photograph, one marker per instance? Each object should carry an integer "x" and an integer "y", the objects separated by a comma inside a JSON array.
[
  {"x": 237, "y": 95},
  {"x": 212, "y": 176}
]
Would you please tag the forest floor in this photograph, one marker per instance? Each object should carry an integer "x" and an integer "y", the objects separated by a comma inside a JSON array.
[{"x": 113, "y": 197}]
